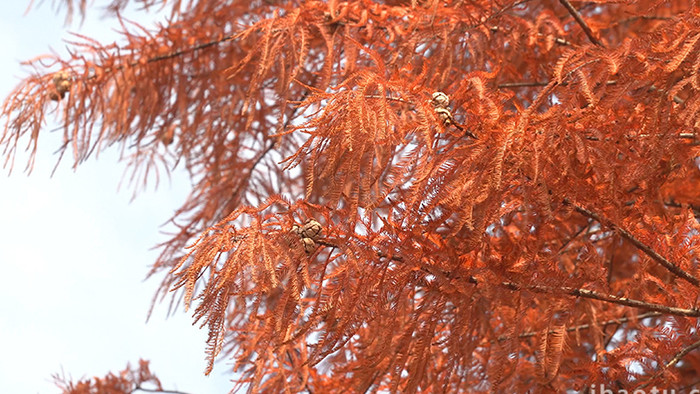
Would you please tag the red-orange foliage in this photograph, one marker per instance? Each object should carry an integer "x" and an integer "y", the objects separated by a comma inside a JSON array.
[
  {"x": 126, "y": 382},
  {"x": 533, "y": 228}
]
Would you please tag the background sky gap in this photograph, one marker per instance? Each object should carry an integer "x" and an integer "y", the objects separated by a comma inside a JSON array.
[{"x": 74, "y": 250}]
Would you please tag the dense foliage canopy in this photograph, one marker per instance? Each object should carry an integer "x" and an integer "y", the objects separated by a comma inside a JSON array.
[{"x": 418, "y": 195}]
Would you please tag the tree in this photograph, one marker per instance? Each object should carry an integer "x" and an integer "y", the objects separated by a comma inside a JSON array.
[{"x": 411, "y": 195}]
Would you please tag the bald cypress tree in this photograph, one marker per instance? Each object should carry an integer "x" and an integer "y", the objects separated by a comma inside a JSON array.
[{"x": 405, "y": 196}]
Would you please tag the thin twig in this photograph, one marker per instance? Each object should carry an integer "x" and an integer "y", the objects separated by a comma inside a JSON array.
[
  {"x": 673, "y": 268},
  {"x": 399, "y": 99},
  {"x": 521, "y": 84},
  {"x": 610, "y": 337},
  {"x": 644, "y": 17},
  {"x": 558, "y": 40},
  {"x": 594, "y": 295},
  {"x": 682, "y": 354},
  {"x": 683, "y": 135},
  {"x": 675, "y": 98},
  {"x": 268, "y": 148},
  {"x": 673, "y": 361},
  {"x": 527, "y": 84},
  {"x": 581, "y": 22},
  {"x": 170, "y": 55},
  {"x": 157, "y": 391},
  {"x": 497, "y": 13},
  {"x": 573, "y": 237},
  {"x": 291, "y": 363},
  {"x": 586, "y": 326},
  {"x": 680, "y": 389},
  {"x": 610, "y": 266},
  {"x": 188, "y": 49},
  {"x": 590, "y": 294}
]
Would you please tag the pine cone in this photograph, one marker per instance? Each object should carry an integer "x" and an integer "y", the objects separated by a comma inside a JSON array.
[
  {"x": 440, "y": 100},
  {"x": 312, "y": 229}
]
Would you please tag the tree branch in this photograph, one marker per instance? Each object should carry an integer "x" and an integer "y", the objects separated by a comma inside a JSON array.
[
  {"x": 172, "y": 54},
  {"x": 673, "y": 361},
  {"x": 673, "y": 268},
  {"x": 682, "y": 354},
  {"x": 138, "y": 388},
  {"x": 594, "y": 295},
  {"x": 568, "y": 241},
  {"x": 188, "y": 49},
  {"x": 583, "y": 293},
  {"x": 572, "y": 291},
  {"x": 586, "y": 326},
  {"x": 527, "y": 84},
  {"x": 581, "y": 22},
  {"x": 397, "y": 99},
  {"x": 521, "y": 84},
  {"x": 268, "y": 148}
]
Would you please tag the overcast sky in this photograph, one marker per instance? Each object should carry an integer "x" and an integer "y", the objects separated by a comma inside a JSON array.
[{"x": 74, "y": 250}]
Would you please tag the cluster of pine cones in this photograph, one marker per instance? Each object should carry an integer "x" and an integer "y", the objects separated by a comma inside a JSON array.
[{"x": 308, "y": 233}]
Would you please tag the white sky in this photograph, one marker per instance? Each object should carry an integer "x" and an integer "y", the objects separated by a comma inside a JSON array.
[{"x": 74, "y": 250}]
